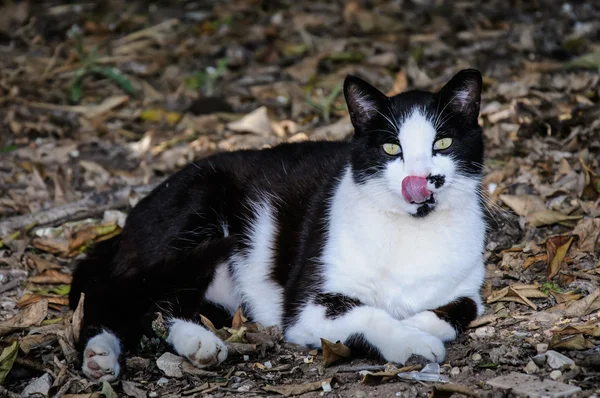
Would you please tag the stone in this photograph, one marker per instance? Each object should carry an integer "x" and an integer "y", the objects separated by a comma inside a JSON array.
[
  {"x": 485, "y": 332},
  {"x": 162, "y": 381},
  {"x": 539, "y": 359},
  {"x": 360, "y": 394},
  {"x": 455, "y": 371},
  {"x": 39, "y": 386},
  {"x": 170, "y": 364},
  {"x": 555, "y": 374},
  {"x": 476, "y": 357},
  {"x": 541, "y": 348},
  {"x": 557, "y": 360},
  {"x": 532, "y": 387},
  {"x": 531, "y": 368},
  {"x": 137, "y": 363}
]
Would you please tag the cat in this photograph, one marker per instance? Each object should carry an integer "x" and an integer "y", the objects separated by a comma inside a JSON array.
[{"x": 376, "y": 241}]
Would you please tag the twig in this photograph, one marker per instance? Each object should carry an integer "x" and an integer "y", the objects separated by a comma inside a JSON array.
[
  {"x": 359, "y": 368},
  {"x": 27, "y": 363},
  {"x": 5, "y": 393},
  {"x": 582, "y": 275},
  {"x": 91, "y": 205},
  {"x": 240, "y": 348}
]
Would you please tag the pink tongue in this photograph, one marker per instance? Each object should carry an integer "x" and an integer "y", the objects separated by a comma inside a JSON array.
[{"x": 414, "y": 189}]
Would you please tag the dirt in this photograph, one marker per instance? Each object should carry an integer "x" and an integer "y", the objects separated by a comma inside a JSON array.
[{"x": 102, "y": 100}]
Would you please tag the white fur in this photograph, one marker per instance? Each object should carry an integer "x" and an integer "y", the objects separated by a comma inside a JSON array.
[
  {"x": 429, "y": 322},
  {"x": 200, "y": 346},
  {"x": 222, "y": 291},
  {"x": 101, "y": 357},
  {"x": 252, "y": 269},
  {"x": 395, "y": 340}
]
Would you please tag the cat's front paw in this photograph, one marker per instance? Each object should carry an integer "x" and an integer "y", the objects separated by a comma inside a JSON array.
[
  {"x": 101, "y": 358},
  {"x": 408, "y": 342},
  {"x": 200, "y": 346}
]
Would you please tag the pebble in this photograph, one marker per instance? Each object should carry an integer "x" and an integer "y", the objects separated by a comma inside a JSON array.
[
  {"x": 557, "y": 360},
  {"x": 454, "y": 371},
  {"x": 539, "y": 359},
  {"x": 531, "y": 386},
  {"x": 162, "y": 381},
  {"x": 360, "y": 394},
  {"x": 555, "y": 374},
  {"x": 531, "y": 368},
  {"x": 476, "y": 357},
  {"x": 170, "y": 364},
  {"x": 485, "y": 331},
  {"x": 153, "y": 394},
  {"x": 541, "y": 348},
  {"x": 39, "y": 386}
]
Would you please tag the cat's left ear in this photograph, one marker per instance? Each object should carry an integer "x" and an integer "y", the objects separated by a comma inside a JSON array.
[
  {"x": 462, "y": 94},
  {"x": 364, "y": 101}
]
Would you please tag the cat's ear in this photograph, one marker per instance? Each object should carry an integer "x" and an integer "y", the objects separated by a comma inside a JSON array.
[
  {"x": 462, "y": 94},
  {"x": 364, "y": 101}
]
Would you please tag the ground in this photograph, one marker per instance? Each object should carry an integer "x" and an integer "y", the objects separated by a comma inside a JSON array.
[{"x": 102, "y": 100}]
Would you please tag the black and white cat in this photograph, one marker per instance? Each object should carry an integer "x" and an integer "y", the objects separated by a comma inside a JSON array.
[{"x": 376, "y": 242}]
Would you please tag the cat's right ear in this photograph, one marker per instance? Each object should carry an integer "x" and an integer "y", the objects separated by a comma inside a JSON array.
[{"x": 364, "y": 101}]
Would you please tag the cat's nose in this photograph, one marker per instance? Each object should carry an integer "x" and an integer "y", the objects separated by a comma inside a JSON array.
[{"x": 414, "y": 189}]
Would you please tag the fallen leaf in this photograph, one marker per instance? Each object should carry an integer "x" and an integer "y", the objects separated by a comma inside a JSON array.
[
  {"x": 524, "y": 205},
  {"x": 206, "y": 322},
  {"x": 529, "y": 261},
  {"x": 77, "y": 319},
  {"x": 548, "y": 217},
  {"x": 34, "y": 341},
  {"x": 238, "y": 319},
  {"x": 7, "y": 358},
  {"x": 90, "y": 233},
  {"x": 518, "y": 294},
  {"x": 29, "y": 299},
  {"x": 30, "y": 316},
  {"x": 297, "y": 389},
  {"x": 334, "y": 352},
  {"x": 590, "y": 330},
  {"x": 256, "y": 122},
  {"x": 108, "y": 391},
  {"x": 376, "y": 378},
  {"x": 52, "y": 276},
  {"x": 557, "y": 248},
  {"x": 132, "y": 390},
  {"x": 158, "y": 115},
  {"x": 40, "y": 263},
  {"x": 237, "y": 335},
  {"x": 586, "y": 61},
  {"x": 582, "y": 307},
  {"x": 588, "y": 231},
  {"x": 569, "y": 342},
  {"x": 565, "y": 297},
  {"x": 51, "y": 245},
  {"x": 447, "y": 390}
]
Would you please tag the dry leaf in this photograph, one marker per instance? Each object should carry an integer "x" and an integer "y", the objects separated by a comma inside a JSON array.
[
  {"x": 52, "y": 276},
  {"x": 77, "y": 319},
  {"x": 132, "y": 390},
  {"x": 564, "y": 297},
  {"x": 297, "y": 389},
  {"x": 206, "y": 322},
  {"x": 375, "y": 378},
  {"x": 569, "y": 342},
  {"x": 7, "y": 358},
  {"x": 557, "y": 248},
  {"x": 588, "y": 231},
  {"x": 447, "y": 390},
  {"x": 548, "y": 217},
  {"x": 334, "y": 352},
  {"x": 34, "y": 341},
  {"x": 256, "y": 122},
  {"x": 29, "y": 299},
  {"x": 529, "y": 261},
  {"x": 524, "y": 205},
  {"x": 238, "y": 319},
  {"x": 51, "y": 245},
  {"x": 41, "y": 264},
  {"x": 518, "y": 294},
  {"x": 582, "y": 307},
  {"x": 30, "y": 316}
]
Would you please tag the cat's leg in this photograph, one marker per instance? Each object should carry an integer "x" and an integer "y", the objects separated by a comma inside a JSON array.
[
  {"x": 101, "y": 357},
  {"x": 338, "y": 318},
  {"x": 199, "y": 345},
  {"x": 447, "y": 321}
]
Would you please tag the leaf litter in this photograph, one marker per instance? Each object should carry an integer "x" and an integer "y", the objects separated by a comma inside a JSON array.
[{"x": 122, "y": 99}]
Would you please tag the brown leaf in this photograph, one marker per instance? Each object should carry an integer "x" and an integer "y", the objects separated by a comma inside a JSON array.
[
  {"x": 376, "y": 378},
  {"x": 297, "y": 389},
  {"x": 29, "y": 299},
  {"x": 483, "y": 320},
  {"x": 30, "y": 316},
  {"x": 564, "y": 297},
  {"x": 447, "y": 390},
  {"x": 40, "y": 263},
  {"x": 568, "y": 342},
  {"x": 52, "y": 276},
  {"x": 524, "y": 205},
  {"x": 77, "y": 319},
  {"x": 529, "y": 261},
  {"x": 584, "y": 306},
  {"x": 132, "y": 390},
  {"x": 34, "y": 341},
  {"x": 557, "y": 248},
  {"x": 206, "y": 322},
  {"x": 592, "y": 329},
  {"x": 334, "y": 352},
  {"x": 238, "y": 319},
  {"x": 51, "y": 245},
  {"x": 548, "y": 217},
  {"x": 588, "y": 231},
  {"x": 518, "y": 294}
]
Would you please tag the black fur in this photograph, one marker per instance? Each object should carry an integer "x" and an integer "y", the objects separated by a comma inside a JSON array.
[
  {"x": 336, "y": 304},
  {"x": 458, "y": 313},
  {"x": 361, "y": 347}
]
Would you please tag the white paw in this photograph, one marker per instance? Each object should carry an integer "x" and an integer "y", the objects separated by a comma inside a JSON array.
[
  {"x": 429, "y": 322},
  {"x": 101, "y": 357},
  {"x": 407, "y": 342},
  {"x": 200, "y": 346}
]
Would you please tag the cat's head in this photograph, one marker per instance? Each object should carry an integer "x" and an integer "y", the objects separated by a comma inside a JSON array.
[{"x": 417, "y": 151}]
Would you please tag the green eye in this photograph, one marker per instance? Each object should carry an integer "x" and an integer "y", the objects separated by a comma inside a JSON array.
[
  {"x": 392, "y": 149},
  {"x": 443, "y": 143}
]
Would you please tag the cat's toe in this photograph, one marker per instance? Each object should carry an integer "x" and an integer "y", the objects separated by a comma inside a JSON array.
[
  {"x": 406, "y": 343},
  {"x": 430, "y": 347},
  {"x": 210, "y": 352},
  {"x": 200, "y": 346},
  {"x": 101, "y": 358}
]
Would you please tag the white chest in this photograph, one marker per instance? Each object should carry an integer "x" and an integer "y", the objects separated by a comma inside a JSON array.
[{"x": 403, "y": 264}]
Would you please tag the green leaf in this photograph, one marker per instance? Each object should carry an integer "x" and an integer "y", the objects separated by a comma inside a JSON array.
[
  {"x": 587, "y": 61},
  {"x": 107, "y": 390},
  {"x": 51, "y": 321},
  {"x": 115, "y": 75},
  {"x": 76, "y": 86},
  {"x": 7, "y": 358},
  {"x": 8, "y": 148}
]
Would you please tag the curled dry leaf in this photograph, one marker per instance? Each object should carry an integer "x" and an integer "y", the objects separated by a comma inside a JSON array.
[
  {"x": 548, "y": 217},
  {"x": 584, "y": 306},
  {"x": 524, "y": 205},
  {"x": 518, "y": 294},
  {"x": 51, "y": 245},
  {"x": 334, "y": 352},
  {"x": 588, "y": 231},
  {"x": 31, "y": 342},
  {"x": 297, "y": 389},
  {"x": 569, "y": 342},
  {"x": 529, "y": 261},
  {"x": 77, "y": 318},
  {"x": 29, "y": 299},
  {"x": 52, "y": 276},
  {"x": 238, "y": 319},
  {"x": 447, "y": 390},
  {"x": 40, "y": 263},
  {"x": 30, "y": 316},
  {"x": 557, "y": 248},
  {"x": 375, "y": 378}
]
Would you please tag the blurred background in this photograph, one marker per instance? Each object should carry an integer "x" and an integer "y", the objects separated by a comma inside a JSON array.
[{"x": 100, "y": 100}]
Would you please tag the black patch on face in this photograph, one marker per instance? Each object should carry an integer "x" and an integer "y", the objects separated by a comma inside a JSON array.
[
  {"x": 336, "y": 304},
  {"x": 437, "y": 180},
  {"x": 361, "y": 347},
  {"x": 458, "y": 313},
  {"x": 424, "y": 210}
]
